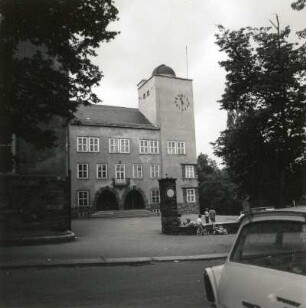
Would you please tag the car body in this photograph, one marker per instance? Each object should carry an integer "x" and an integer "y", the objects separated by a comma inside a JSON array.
[{"x": 266, "y": 266}]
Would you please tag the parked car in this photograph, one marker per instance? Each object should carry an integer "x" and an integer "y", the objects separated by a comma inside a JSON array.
[{"x": 266, "y": 266}]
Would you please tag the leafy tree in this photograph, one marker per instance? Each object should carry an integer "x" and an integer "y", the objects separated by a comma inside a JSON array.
[
  {"x": 216, "y": 189},
  {"x": 45, "y": 53},
  {"x": 265, "y": 96},
  {"x": 298, "y": 5}
]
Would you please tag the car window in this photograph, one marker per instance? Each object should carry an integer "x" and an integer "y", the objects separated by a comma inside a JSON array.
[{"x": 280, "y": 245}]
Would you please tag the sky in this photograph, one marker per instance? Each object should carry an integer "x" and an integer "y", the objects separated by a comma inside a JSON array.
[{"x": 157, "y": 32}]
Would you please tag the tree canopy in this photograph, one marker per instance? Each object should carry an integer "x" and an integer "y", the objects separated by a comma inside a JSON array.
[
  {"x": 216, "y": 189},
  {"x": 265, "y": 96},
  {"x": 45, "y": 54}
]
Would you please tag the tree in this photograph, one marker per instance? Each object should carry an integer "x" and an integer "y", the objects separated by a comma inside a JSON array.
[
  {"x": 265, "y": 96},
  {"x": 216, "y": 188},
  {"x": 45, "y": 52}
]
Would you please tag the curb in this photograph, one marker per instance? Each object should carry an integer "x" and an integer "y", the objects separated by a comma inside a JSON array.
[
  {"x": 39, "y": 240},
  {"x": 109, "y": 261}
]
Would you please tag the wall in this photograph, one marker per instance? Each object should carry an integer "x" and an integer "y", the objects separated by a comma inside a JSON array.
[
  {"x": 104, "y": 133},
  {"x": 33, "y": 203}
]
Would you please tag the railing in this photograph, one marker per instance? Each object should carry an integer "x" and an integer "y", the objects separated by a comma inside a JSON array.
[{"x": 121, "y": 182}]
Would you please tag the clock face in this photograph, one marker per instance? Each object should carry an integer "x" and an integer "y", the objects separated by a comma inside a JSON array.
[
  {"x": 182, "y": 102},
  {"x": 170, "y": 192}
]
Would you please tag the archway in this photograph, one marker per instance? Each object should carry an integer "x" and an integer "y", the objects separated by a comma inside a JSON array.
[
  {"x": 134, "y": 200},
  {"x": 107, "y": 201}
]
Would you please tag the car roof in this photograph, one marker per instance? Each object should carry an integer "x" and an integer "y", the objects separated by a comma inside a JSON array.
[{"x": 293, "y": 213}]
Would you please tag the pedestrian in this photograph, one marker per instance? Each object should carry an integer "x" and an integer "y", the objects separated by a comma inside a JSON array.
[
  {"x": 212, "y": 215},
  {"x": 199, "y": 224},
  {"x": 206, "y": 215}
]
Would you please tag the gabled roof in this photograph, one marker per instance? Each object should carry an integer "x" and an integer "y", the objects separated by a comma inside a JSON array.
[{"x": 111, "y": 116}]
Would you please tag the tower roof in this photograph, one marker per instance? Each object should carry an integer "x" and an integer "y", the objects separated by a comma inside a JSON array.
[{"x": 163, "y": 70}]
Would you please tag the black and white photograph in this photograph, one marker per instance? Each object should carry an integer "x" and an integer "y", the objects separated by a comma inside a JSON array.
[{"x": 153, "y": 153}]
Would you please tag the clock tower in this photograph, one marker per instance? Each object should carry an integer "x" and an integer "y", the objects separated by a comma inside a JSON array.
[{"x": 167, "y": 102}]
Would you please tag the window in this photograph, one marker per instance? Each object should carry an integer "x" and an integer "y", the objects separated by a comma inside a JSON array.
[
  {"x": 143, "y": 146},
  {"x": 101, "y": 171},
  {"x": 154, "y": 171},
  {"x": 148, "y": 147},
  {"x": 176, "y": 147},
  {"x": 120, "y": 171},
  {"x": 124, "y": 146},
  {"x": 83, "y": 198},
  {"x": 190, "y": 195},
  {"x": 144, "y": 95},
  {"x": 148, "y": 93},
  {"x": 181, "y": 148},
  {"x": 93, "y": 144},
  {"x": 88, "y": 144},
  {"x": 154, "y": 148},
  {"x": 137, "y": 171},
  {"x": 82, "y": 144},
  {"x": 113, "y": 145},
  {"x": 276, "y": 244},
  {"x": 171, "y": 146},
  {"x": 117, "y": 145},
  {"x": 189, "y": 172},
  {"x": 155, "y": 198},
  {"x": 82, "y": 171}
]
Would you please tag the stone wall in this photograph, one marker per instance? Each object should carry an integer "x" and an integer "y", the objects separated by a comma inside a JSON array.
[{"x": 34, "y": 203}]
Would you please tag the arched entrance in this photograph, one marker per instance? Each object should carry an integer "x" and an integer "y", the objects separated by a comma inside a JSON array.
[
  {"x": 107, "y": 201},
  {"x": 134, "y": 200}
]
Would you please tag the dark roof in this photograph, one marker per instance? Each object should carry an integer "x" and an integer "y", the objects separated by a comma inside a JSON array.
[
  {"x": 101, "y": 115},
  {"x": 163, "y": 70}
]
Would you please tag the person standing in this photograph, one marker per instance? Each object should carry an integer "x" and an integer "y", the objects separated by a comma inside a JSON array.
[
  {"x": 212, "y": 215},
  {"x": 206, "y": 215}
]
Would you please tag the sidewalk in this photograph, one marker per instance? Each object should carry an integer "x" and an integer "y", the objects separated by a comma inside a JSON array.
[{"x": 119, "y": 241}]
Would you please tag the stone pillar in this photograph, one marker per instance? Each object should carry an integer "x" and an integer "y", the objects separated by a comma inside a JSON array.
[{"x": 168, "y": 206}]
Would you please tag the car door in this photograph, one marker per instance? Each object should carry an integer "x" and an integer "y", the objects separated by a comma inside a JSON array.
[
  {"x": 267, "y": 266},
  {"x": 250, "y": 286}
]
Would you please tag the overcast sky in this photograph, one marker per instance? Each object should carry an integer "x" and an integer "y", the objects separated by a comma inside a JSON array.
[{"x": 157, "y": 32}]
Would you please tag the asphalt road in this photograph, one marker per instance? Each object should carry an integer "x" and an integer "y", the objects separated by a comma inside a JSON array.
[{"x": 174, "y": 284}]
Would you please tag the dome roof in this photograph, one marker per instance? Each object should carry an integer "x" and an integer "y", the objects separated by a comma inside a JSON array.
[{"x": 163, "y": 70}]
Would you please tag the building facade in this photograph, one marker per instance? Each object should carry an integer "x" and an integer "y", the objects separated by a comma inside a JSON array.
[{"x": 117, "y": 154}]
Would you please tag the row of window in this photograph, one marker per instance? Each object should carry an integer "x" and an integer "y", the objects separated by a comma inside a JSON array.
[
  {"x": 122, "y": 145},
  {"x": 190, "y": 197},
  {"x": 188, "y": 171}
]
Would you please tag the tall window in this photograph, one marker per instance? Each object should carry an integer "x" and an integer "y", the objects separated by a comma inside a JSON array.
[
  {"x": 171, "y": 147},
  {"x": 190, "y": 195},
  {"x": 189, "y": 172},
  {"x": 181, "y": 148},
  {"x": 154, "y": 171},
  {"x": 120, "y": 171},
  {"x": 137, "y": 171},
  {"x": 176, "y": 147},
  {"x": 117, "y": 145},
  {"x": 82, "y": 171},
  {"x": 143, "y": 146},
  {"x": 155, "y": 198},
  {"x": 124, "y": 146},
  {"x": 82, "y": 144},
  {"x": 113, "y": 145},
  {"x": 88, "y": 144},
  {"x": 83, "y": 198},
  {"x": 101, "y": 171},
  {"x": 148, "y": 147},
  {"x": 154, "y": 148},
  {"x": 93, "y": 144}
]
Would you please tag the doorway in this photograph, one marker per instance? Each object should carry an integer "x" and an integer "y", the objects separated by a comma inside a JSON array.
[
  {"x": 107, "y": 201},
  {"x": 134, "y": 200}
]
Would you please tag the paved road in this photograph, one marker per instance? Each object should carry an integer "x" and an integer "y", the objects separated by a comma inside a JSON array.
[
  {"x": 118, "y": 238},
  {"x": 158, "y": 285}
]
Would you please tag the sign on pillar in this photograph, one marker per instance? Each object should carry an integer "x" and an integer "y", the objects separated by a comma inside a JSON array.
[{"x": 168, "y": 206}]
